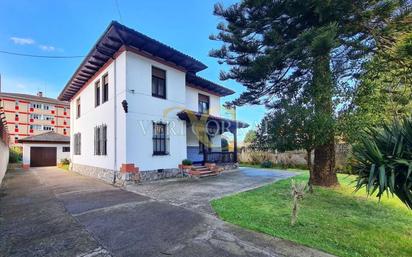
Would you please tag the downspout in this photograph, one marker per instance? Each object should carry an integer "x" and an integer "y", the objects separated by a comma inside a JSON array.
[{"x": 115, "y": 122}]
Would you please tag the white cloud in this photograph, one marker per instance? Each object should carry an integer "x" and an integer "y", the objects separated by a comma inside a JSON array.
[
  {"x": 47, "y": 48},
  {"x": 22, "y": 41}
]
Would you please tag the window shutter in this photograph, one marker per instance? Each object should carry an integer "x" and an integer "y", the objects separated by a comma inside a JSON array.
[
  {"x": 104, "y": 148},
  {"x": 95, "y": 141}
]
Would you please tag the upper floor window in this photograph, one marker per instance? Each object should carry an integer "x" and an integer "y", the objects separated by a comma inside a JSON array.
[
  {"x": 17, "y": 103},
  {"x": 35, "y": 116},
  {"x": 78, "y": 108},
  {"x": 46, "y": 107},
  {"x": 48, "y": 128},
  {"x": 160, "y": 139},
  {"x": 36, "y": 105},
  {"x": 48, "y": 117},
  {"x": 158, "y": 83},
  {"x": 77, "y": 142},
  {"x": 36, "y": 127},
  {"x": 100, "y": 140},
  {"x": 105, "y": 96},
  {"x": 97, "y": 93},
  {"x": 66, "y": 149},
  {"x": 204, "y": 104}
]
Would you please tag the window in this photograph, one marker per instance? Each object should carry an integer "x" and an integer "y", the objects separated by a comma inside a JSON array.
[
  {"x": 158, "y": 83},
  {"x": 35, "y": 105},
  {"x": 46, "y": 107},
  {"x": 48, "y": 117},
  {"x": 35, "y": 116},
  {"x": 36, "y": 127},
  {"x": 105, "y": 88},
  {"x": 100, "y": 140},
  {"x": 17, "y": 103},
  {"x": 160, "y": 139},
  {"x": 48, "y": 128},
  {"x": 78, "y": 108},
  {"x": 66, "y": 149},
  {"x": 203, "y": 104},
  {"x": 16, "y": 126},
  {"x": 77, "y": 141},
  {"x": 97, "y": 93},
  {"x": 16, "y": 117}
]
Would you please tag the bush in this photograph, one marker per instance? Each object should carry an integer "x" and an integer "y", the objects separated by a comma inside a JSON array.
[
  {"x": 187, "y": 162},
  {"x": 383, "y": 160},
  {"x": 15, "y": 154},
  {"x": 266, "y": 164},
  {"x": 65, "y": 161}
]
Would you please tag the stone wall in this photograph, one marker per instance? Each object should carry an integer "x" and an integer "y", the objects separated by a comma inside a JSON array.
[
  {"x": 151, "y": 175},
  {"x": 4, "y": 159},
  {"x": 96, "y": 172}
]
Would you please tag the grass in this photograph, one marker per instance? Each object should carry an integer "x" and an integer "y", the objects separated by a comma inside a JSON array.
[
  {"x": 333, "y": 220},
  {"x": 65, "y": 166}
]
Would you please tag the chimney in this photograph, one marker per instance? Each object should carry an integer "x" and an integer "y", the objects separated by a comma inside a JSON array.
[{"x": 40, "y": 93}]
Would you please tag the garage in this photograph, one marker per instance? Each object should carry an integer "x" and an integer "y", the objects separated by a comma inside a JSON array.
[
  {"x": 43, "y": 156},
  {"x": 47, "y": 149}
]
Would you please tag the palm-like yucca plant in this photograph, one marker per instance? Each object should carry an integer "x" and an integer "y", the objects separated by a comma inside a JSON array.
[{"x": 383, "y": 160}]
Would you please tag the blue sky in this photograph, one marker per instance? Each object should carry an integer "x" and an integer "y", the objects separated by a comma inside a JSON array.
[{"x": 44, "y": 27}]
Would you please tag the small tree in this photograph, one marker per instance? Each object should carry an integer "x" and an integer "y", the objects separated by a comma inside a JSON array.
[
  {"x": 289, "y": 127},
  {"x": 250, "y": 137}
]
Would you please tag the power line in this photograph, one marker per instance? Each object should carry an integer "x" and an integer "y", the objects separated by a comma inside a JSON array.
[
  {"x": 118, "y": 10},
  {"x": 43, "y": 56}
]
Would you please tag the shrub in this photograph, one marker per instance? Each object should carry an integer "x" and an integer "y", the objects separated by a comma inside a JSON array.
[
  {"x": 65, "y": 161},
  {"x": 266, "y": 164},
  {"x": 187, "y": 162},
  {"x": 383, "y": 160},
  {"x": 15, "y": 154}
]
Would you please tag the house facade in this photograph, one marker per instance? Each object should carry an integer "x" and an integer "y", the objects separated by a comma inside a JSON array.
[
  {"x": 28, "y": 115},
  {"x": 138, "y": 105}
]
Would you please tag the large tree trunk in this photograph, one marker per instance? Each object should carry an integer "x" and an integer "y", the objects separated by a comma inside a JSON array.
[{"x": 323, "y": 173}]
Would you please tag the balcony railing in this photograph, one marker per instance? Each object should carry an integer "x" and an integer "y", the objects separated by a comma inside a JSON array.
[{"x": 220, "y": 157}]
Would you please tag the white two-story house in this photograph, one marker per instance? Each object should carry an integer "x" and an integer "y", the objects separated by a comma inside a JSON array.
[{"x": 138, "y": 105}]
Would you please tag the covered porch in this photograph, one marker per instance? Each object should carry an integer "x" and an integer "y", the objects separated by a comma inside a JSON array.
[{"x": 205, "y": 143}]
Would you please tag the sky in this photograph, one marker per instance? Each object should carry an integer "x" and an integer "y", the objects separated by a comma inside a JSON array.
[{"x": 70, "y": 28}]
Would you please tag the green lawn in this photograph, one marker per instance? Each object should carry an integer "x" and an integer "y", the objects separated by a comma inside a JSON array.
[{"x": 333, "y": 220}]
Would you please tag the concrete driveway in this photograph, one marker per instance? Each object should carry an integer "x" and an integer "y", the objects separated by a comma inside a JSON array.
[
  {"x": 196, "y": 193},
  {"x": 51, "y": 212}
]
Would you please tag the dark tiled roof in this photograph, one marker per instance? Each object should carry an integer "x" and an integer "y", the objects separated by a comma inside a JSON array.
[
  {"x": 202, "y": 83},
  {"x": 116, "y": 36},
  {"x": 33, "y": 98},
  {"x": 48, "y": 137},
  {"x": 232, "y": 124}
]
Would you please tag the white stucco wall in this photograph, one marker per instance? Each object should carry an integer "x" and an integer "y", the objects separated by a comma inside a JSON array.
[
  {"x": 144, "y": 109},
  {"x": 92, "y": 116},
  {"x": 59, "y": 151},
  {"x": 4, "y": 159}
]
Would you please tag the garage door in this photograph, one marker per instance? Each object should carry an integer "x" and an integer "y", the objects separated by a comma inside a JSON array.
[{"x": 42, "y": 156}]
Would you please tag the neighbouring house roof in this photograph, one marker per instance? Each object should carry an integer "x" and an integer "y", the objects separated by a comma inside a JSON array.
[
  {"x": 199, "y": 82},
  {"x": 189, "y": 115},
  {"x": 116, "y": 36},
  {"x": 48, "y": 137},
  {"x": 33, "y": 98}
]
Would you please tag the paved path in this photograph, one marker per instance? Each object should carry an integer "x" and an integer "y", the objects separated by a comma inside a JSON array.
[
  {"x": 50, "y": 212},
  {"x": 196, "y": 194}
]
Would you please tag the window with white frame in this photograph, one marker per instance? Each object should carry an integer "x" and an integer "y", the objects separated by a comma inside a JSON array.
[
  {"x": 105, "y": 93},
  {"x": 35, "y": 105},
  {"x": 48, "y": 128},
  {"x": 36, "y": 127},
  {"x": 48, "y": 117},
  {"x": 35, "y": 116}
]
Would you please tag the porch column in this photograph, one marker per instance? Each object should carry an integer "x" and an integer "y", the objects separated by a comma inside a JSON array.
[{"x": 235, "y": 144}]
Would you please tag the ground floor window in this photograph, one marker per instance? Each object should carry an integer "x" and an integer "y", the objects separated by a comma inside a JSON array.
[
  {"x": 160, "y": 139},
  {"x": 77, "y": 143},
  {"x": 66, "y": 149},
  {"x": 100, "y": 140}
]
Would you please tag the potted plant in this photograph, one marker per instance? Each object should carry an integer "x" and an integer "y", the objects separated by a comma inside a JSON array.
[{"x": 186, "y": 164}]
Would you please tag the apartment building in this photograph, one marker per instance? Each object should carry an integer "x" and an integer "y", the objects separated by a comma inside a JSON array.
[{"x": 29, "y": 115}]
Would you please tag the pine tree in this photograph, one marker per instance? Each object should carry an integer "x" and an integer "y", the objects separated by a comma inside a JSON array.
[{"x": 283, "y": 50}]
